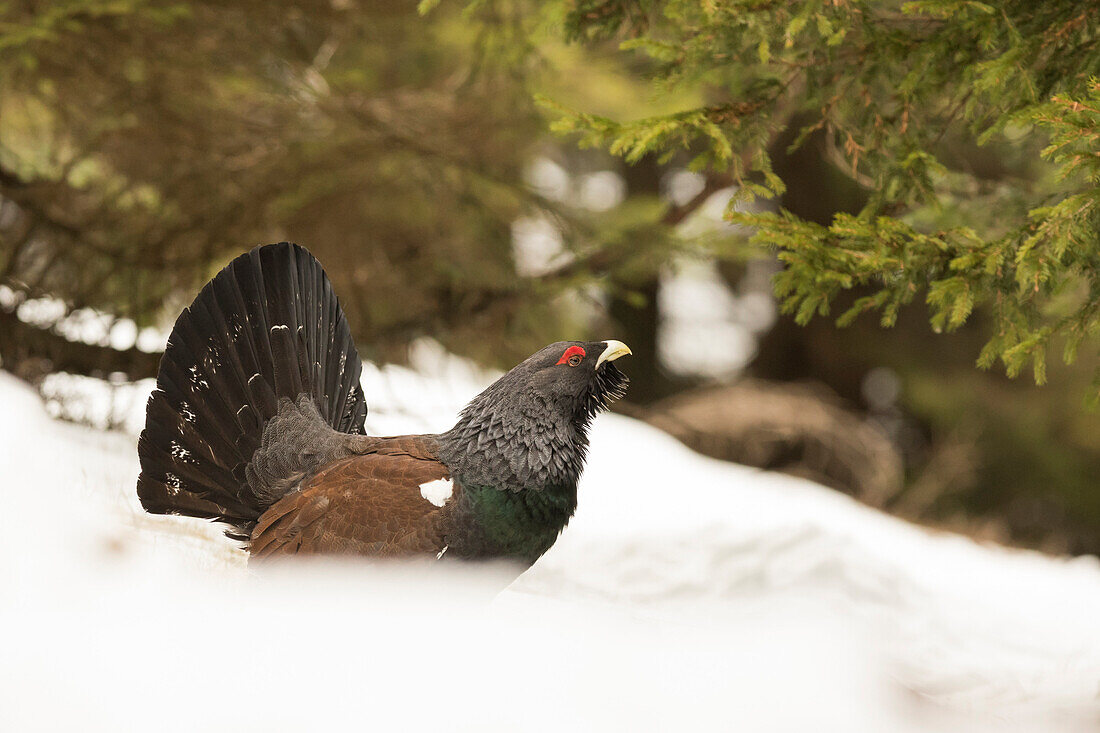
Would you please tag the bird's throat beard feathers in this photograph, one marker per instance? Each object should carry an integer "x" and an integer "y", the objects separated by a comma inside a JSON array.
[{"x": 514, "y": 439}]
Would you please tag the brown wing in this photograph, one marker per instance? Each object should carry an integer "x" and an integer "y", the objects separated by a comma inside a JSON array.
[{"x": 363, "y": 505}]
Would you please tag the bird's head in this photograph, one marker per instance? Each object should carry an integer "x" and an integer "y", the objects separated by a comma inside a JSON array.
[
  {"x": 535, "y": 417},
  {"x": 575, "y": 379}
]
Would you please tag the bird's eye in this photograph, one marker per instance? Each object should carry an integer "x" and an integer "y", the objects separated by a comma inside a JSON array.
[{"x": 572, "y": 356}]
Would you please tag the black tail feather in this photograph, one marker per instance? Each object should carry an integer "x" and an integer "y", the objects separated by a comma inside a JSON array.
[{"x": 268, "y": 327}]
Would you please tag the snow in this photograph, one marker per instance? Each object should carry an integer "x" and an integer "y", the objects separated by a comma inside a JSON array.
[{"x": 686, "y": 594}]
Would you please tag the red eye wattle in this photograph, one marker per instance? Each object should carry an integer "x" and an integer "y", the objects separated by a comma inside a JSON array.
[{"x": 567, "y": 356}]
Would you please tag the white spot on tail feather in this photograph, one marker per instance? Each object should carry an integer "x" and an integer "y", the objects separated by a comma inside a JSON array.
[{"x": 438, "y": 491}]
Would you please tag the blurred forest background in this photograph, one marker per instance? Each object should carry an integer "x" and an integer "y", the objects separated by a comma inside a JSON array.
[{"x": 710, "y": 182}]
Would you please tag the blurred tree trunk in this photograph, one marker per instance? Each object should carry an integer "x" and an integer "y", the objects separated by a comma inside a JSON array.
[
  {"x": 816, "y": 191},
  {"x": 636, "y": 325},
  {"x": 633, "y": 305}
]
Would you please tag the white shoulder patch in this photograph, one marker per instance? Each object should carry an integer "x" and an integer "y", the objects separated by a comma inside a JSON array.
[{"x": 438, "y": 491}]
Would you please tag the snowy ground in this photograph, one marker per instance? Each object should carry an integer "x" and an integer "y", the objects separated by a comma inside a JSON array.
[{"x": 687, "y": 594}]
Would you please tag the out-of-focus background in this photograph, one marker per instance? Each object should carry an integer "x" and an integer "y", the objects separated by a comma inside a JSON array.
[
  {"x": 144, "y": 144},
  {"x": 480, "y": 179}
]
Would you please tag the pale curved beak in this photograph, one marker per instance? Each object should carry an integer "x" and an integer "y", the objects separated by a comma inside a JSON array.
[{"x": 614, "y": 350}]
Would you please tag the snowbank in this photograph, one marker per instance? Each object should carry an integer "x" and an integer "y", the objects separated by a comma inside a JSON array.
[{"x": 686, "y": 594}]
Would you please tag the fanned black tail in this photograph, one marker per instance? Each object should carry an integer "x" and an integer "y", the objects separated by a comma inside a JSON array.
[{"x": 266, "y": 329}]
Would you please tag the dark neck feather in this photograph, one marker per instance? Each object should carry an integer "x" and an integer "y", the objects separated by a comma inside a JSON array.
[
  {"x": 512, "y": 438},
  {"x": 511, "y": 450}
]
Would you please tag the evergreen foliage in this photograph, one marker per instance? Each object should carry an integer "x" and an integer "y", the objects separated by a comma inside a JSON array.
[
  {"x": 143, "y": 144},
  {"x": 896, "y": 88}
]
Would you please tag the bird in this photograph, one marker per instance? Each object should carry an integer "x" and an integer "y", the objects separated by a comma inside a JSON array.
[{"x": 257, "y": 422}]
